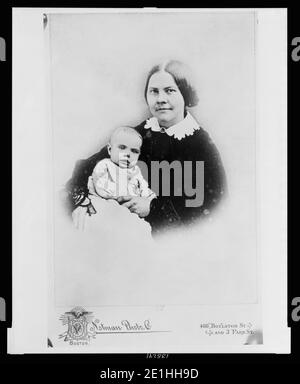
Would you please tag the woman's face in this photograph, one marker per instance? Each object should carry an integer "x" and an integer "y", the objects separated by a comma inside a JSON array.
[{"x": 164, "y": 99}]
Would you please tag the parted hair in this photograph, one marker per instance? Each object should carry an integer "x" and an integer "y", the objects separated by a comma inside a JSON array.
[{"x": 182, "y": 77}]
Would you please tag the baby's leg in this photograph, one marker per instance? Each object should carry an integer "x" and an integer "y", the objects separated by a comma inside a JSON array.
[{"x": 117, "y": 223}]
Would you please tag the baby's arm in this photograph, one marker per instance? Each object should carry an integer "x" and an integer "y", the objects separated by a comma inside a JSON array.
[
  {"x": 99, "y": 180},
  {"x": 144, "y": 189}
]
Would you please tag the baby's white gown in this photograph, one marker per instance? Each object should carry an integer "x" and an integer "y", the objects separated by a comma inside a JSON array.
[
  {"x": 109, "y": 262},
  {"x": 113, "y": 222}
]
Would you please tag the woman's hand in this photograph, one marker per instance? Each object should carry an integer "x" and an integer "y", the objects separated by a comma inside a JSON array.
[
  {"x": 136, "y": 204},
  {"x": 79, "y": 216}
]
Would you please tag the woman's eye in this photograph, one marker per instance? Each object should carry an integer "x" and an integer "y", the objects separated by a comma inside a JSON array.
[
  {"x": 153, "y": 91},
  {"x": 171, "y": 90}
]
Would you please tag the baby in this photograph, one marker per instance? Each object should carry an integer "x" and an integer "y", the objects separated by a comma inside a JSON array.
[
  {"x": 120, "y": 175},
  {"x": 114, "y": 177}
]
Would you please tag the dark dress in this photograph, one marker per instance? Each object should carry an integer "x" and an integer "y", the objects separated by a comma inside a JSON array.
[{"x": 166, "y": 212}]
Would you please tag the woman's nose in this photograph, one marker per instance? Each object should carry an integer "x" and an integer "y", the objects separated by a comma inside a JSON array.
[{"x": 161, "y": 97}]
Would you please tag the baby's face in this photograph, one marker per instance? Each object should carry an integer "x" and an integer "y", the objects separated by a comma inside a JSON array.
[{"x": 124, "y": 149}]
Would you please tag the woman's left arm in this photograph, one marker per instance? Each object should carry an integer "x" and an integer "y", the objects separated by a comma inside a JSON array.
[{"x": 77, "y": 186}]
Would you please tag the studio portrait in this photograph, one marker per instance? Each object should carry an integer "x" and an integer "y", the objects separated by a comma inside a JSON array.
[{"x": 152, "y": 121}]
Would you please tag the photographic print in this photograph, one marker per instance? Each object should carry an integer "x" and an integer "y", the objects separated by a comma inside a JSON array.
[
  {"x": 153, "y": 148},
  {"x": 151, "y": 178}
]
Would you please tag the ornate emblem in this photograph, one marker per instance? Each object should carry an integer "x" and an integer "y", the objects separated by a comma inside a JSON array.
[{"x": 80, "y": 325}]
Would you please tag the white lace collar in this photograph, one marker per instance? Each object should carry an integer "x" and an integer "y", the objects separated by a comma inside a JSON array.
[{"x": 185, "y": 127}]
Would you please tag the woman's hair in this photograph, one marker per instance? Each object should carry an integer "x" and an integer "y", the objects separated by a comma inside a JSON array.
[{"x": 181, "y": 75}]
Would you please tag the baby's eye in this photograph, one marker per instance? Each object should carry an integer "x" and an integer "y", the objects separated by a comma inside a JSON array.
[
  {"x": 121, "y": 146},
  {"x": 135, "y": 151}
]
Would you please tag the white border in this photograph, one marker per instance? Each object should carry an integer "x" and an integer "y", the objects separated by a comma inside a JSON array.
[{"x": 29, "y": 208}]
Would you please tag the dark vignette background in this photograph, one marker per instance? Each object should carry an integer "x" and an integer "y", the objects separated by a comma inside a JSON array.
[{"x": 78, "y": 368}]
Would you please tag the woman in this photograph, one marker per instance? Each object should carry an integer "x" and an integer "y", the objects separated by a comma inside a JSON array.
[{"x": 170, "y": 135}]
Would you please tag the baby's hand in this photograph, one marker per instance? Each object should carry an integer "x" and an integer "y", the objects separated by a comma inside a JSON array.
[{"x": 136, "y": 204}]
